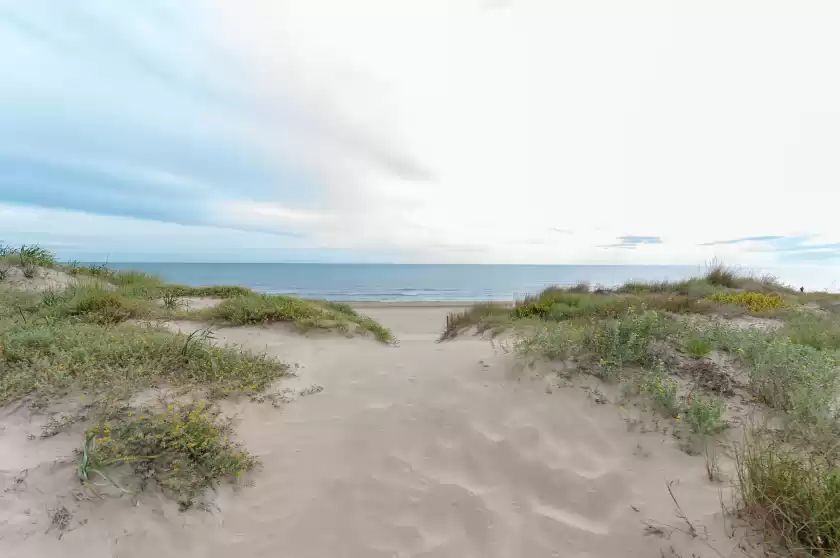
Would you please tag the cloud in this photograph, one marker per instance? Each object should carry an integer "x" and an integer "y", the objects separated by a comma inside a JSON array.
[
  {"x": 631, "y": 241},
  {"x": 743, "y": 240},
  {"x": 788, "y": 249}
]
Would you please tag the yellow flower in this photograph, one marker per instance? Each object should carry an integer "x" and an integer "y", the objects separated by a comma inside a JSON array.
[{"x": 678, "y": 417}]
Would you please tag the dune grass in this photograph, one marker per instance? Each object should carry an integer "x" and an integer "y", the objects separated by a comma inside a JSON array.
[
  {"x": 209, "y": 291},
  {"x": 49, "y": 360},
  {"x": 304, "y": 314},
  {"x": 792, "y": 490},
  {"x": 185, "y": 449}
]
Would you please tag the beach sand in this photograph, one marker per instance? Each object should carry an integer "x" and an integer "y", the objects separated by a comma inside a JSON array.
[{"x": 422, "y": 450}]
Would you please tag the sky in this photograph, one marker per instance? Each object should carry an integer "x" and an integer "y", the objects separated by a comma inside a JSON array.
[{"x": 427, "y": 131}]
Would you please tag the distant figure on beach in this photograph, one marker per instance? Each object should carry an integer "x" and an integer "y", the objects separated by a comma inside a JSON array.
[{"x": 801, "y": 289}]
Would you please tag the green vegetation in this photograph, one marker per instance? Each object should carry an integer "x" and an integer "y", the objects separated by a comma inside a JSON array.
[
  {"x": 554, "y": 342},
  {"x": 662, "y": 389},
  {"x": 818, "y": 331},
  {"x": 795, "y": 378},
  {"x": 703, "y": 414},
  {"x": 484, "y": 316},
  {"x": 626, "y": 340},
  {"x": 794, "y": 490},
  {"x": 699, "y": 295},
  {"x": 698, "y": 346},
  {"x": 304, "y": 314},
  {"x": 80, "y": 341},
  {"x": 210, "y": 291},
  {"x": 185, "y": 449},
  {"x": 721, "y": 276},
  {"x": 53, "y": 359}
]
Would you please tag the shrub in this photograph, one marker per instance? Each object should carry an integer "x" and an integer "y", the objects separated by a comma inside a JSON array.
[
  {"x": 820, "y": 332},
  {"x": 558, "y": 341},
  {"x": 798, "y": 379},
  {"x": 703, "y": 414},
  {"x": 755, "y": 302},
  {"x": 625, "y": 340},
  {"x": 184, "y": 449}
]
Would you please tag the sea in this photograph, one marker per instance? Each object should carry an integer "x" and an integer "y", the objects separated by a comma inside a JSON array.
[{"x": 429, "y": 282}]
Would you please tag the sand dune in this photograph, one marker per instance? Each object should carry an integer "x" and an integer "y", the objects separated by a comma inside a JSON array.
[{"x": 421, "y": 450}]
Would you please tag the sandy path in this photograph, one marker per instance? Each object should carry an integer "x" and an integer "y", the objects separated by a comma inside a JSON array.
[{"x": 419, "y": 450}]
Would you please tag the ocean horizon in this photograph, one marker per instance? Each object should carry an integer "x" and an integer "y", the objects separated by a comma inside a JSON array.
[{"x": 436, "y": 282}]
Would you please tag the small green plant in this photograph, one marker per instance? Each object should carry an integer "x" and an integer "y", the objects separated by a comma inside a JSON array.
[
  {"x": 703, "y": 414},
  {"x": 90, "y": 463},
  {"x": 662, "y": 389},
  {"x": 52, "y": 298},
  {"x": 170, "y": 300},
  {"x": 4, "y": 271},
  {"x": 185, "y": 449},
  {"x": 698, "y": 346}
]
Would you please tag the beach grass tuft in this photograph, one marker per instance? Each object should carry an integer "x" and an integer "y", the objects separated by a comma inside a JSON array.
[
  {"x": 304, "y": 314},
  {"x": 185, "y": 449}
]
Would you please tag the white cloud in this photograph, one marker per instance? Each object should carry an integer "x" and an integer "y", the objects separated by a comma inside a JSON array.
[{"x": 692, "y": 122}]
